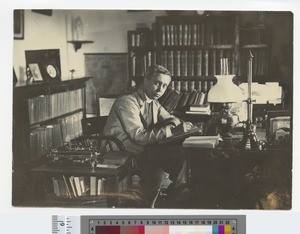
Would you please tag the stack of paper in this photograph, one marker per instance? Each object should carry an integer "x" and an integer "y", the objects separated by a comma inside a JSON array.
[{"x": 201, "y": 141}]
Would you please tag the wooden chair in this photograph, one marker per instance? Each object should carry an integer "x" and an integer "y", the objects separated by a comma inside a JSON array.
[{"x": 92, "y": 128}]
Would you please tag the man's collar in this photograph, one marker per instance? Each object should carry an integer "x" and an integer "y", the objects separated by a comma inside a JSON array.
[
  {"x": 148, "y": 100},
  {"x": 143, "y": 96}
]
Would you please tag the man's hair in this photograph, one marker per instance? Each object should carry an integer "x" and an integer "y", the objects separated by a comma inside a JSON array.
[{"x": 156, "y": 69}]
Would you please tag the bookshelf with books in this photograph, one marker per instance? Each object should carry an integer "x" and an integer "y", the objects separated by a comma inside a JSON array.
[
  {"x": 255, "y": 39},
  {"x": 142, "y": 52},
  {"x": 64, "y": 186},
  {"x": 45, "y": 116},
  {"x": 192, "y": 48}
]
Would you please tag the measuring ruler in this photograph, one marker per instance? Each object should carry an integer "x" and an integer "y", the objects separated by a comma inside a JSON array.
[{"x": 200, "y": 224}]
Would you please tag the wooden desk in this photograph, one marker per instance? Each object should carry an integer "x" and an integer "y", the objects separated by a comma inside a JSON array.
[{"x": 234, "y": 179}]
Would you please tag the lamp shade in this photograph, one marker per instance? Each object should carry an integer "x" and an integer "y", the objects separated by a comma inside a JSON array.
[{"x": 225, "y": 91}]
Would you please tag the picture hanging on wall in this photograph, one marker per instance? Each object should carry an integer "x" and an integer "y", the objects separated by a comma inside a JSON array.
[
  {"x": 18, "y": 24},
  {"x": 110, "y": 77}
]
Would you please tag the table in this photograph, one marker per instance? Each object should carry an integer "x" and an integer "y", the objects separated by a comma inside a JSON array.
[{"x": 233, "y": 178}]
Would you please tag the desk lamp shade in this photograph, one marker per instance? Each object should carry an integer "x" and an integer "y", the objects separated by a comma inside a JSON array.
[{"x": 225, "y": 91}]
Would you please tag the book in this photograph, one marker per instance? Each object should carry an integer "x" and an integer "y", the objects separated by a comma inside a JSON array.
[
  {"x": 201, "y": 141},
  {"x": 208, "y": 112},
  {"x": 93, "y": 185},
  {"x": 182, "y": 101},
  {"x": 190, "y": 63},
  {"x": 71, "y": 179},
  {"x": 55, "y": 186},
  {"x": 176, "y": 63},
  {"x": 191, "y": 98},
  {"x": 196, "y": 107},
  {"x": 197, "y": 129}
]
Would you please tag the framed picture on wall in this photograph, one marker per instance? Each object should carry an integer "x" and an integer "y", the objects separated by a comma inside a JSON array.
[
  {"x": 18, "y": 24},
  {"x": 110, "y": 77}
]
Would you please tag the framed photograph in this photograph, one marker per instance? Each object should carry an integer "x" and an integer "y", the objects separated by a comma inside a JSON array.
[
  {"x": 278, "y": 125},
  {"x": 110, "y": 77},
  {"x": 18, "y": 24},
  {"x": 35, "y": 72}
]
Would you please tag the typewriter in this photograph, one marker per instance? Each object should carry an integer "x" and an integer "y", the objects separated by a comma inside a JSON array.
[{"x": 80, "y": 152}]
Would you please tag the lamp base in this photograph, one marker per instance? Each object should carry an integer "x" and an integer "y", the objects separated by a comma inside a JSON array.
[{"x": 250, "y": 140}]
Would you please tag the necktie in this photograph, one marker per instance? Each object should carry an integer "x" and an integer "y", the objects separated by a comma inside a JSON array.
[{"x": 150, "y": 113}]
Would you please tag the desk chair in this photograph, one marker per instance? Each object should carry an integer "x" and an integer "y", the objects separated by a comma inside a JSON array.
[{"x": 93, "y": 129}]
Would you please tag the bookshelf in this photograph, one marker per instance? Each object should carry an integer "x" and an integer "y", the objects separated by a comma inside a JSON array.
[
  {"x": 45, "y": 115},
  {"x": 69, "y": 186},
  {"x": 191, "y": 48}
]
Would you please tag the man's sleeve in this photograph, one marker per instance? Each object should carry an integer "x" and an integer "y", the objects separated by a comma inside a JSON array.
[
  {"x": 165, "y": 117},
  {"x": 128, "y": 113}
]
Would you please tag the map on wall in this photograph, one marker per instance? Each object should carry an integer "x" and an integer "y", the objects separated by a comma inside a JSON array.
[{"x": 110, "y": 77}]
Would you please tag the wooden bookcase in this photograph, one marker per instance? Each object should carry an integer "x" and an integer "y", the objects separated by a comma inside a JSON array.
[
  {"x": 191, "y": 48},
  {"x": 45, "y": 115}
]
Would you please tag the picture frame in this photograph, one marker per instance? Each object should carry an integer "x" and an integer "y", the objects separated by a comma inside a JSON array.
[
  {"x": 110, "y": 77},
  {"x": 35, "y": 71},
  {"x": 278, "y": 123},
  {"x": 19, "y": 24}
]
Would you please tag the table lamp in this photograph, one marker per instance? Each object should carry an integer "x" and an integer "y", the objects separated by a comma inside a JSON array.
[{"x": 224, "y": 92}]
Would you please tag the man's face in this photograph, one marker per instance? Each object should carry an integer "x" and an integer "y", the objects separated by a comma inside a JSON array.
[{"x": 156, "y": 86}]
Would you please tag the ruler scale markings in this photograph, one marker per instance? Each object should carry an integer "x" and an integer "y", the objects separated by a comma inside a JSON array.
[{"x": 201, "y": 224}]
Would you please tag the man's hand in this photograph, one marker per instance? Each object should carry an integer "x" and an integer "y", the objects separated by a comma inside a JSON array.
[
  {"x": 173, "y": 121},
  {"x": 181, "y": 128},
  {"x": 187, "y": 126}
]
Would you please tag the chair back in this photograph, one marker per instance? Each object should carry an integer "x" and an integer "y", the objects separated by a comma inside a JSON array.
[
  {"x": 93, "y": 125},
  {"x": 92, "y": 129}
]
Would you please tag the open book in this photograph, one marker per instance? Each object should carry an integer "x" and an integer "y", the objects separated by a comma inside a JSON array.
[{"x": 197, "y": 129}]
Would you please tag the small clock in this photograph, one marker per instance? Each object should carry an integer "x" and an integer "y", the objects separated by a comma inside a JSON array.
[{"x": 52, "y": 71}]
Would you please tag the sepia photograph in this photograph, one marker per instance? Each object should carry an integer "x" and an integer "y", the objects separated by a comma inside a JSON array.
[{"x": 159, "y": 109}]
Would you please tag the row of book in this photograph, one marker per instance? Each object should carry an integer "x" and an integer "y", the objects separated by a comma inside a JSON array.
[
  {"x": 197, "y": 62},
  {"x": 85, "y": 186},
  {"x": 49, "y": 106},
  {"x": 204, "y": 33},
  {"x": 44, "y": 138},
  {"x": 260, "y": 62},
  {"x": 182, "y": 101},
  {"x": 184, "y": 86},
  {"x": 142, "y": 38},
  {"x": 186, "y": 62},
  {"x": 139, "y": 64},
  {"x": 253, "y": 37}
]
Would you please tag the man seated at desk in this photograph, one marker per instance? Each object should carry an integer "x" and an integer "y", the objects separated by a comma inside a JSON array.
[{"x": 137, "y": 119}]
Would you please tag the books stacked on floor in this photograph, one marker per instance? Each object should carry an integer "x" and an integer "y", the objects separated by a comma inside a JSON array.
[{"x": 201, "y": 141}]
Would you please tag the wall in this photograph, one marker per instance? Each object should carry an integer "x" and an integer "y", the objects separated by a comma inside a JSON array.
[{"x": 108, "y": 30}]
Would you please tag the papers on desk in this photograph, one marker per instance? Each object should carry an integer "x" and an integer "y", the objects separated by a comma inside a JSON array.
[{"x": 201, "y": 141}]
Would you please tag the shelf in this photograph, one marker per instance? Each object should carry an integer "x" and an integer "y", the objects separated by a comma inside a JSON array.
[
  {"x": 47, "y": 121},
  {"x": 196, "y": 47},
  {"x": 77, "y": 44},
  {"x": 254, "y": 46}
]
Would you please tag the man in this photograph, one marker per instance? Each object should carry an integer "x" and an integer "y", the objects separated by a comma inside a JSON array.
[{"x": 137, "y": 119}]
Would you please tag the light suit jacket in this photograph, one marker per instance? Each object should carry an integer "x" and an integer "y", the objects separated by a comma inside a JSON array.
[{"x": 128, "y": 121}]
